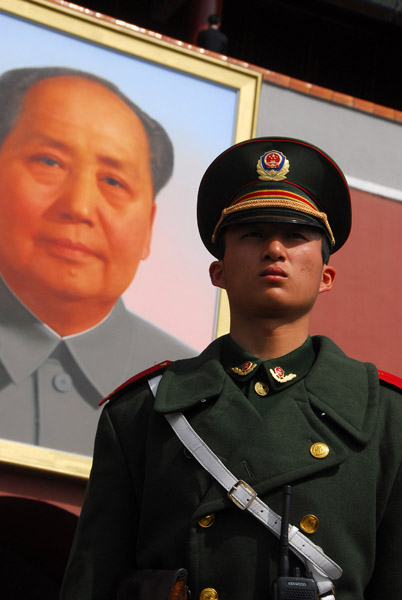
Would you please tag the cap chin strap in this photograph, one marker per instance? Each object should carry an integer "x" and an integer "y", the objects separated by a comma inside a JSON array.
[{"x": 322, "y": 567}]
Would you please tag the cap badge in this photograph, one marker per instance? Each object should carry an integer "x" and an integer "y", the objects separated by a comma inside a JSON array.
[
  {"x": 272, "y": 166},
  {"x": 245, "y": 369},
  {"x": 279, "y": 375}
]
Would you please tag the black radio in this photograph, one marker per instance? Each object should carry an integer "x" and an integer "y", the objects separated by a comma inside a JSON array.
[{"x": 287, "y": 587}]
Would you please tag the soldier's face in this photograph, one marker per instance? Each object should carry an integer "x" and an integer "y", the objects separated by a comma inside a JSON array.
[
  {"x": 76, "y": 195},
  {"x": 272, "y": 270}
]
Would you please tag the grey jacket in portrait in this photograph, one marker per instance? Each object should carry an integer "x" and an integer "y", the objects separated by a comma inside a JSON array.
[{"x": 50, "y": 387}]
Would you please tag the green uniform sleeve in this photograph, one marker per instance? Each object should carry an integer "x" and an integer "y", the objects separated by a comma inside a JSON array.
[
  {"x": 386, "y": 581},
  {"x": 104, "y": 545}
]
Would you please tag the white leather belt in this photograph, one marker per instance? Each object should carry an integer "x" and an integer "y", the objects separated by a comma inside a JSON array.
[{"x": 246, "y": 498}]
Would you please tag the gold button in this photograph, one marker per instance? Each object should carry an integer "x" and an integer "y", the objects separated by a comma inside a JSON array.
[
  {"x": 319, "y": 450},
  {"x": 209, "y": 594},
  {"x": 187, "y": 454},
  {"x": 261, "y": 388},
  {"x": 206, "y": 521},
  {"x": 309, "y": 523}
]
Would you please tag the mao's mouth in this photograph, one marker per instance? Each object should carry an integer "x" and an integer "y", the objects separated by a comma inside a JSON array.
[{"x": 68, "y": 248}]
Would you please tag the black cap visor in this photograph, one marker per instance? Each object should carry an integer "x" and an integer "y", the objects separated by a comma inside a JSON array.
[{"x": 270, "y": 215}]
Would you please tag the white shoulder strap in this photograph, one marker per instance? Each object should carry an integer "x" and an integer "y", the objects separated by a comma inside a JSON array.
[{"x": 323, "y": 568}]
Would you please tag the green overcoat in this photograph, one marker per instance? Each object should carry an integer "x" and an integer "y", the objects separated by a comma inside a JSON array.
[{"x": 146, "y": 498}]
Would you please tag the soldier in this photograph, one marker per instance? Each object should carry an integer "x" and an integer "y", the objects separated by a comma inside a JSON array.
[{"x": 275, "y": 405}]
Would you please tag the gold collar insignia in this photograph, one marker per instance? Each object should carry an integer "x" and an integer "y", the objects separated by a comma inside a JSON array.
[
  {"x": 245, "y": 368},
  {"x": 279, "y": 375}
]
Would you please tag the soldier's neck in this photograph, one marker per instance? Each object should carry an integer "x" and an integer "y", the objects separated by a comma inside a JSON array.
[{"x": 270, "y": 338}]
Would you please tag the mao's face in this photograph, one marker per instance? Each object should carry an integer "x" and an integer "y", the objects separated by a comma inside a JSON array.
[{"x": 76, "y": 196}]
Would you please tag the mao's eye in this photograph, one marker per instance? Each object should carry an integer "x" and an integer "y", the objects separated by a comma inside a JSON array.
[
  {"x": 46, "y": 167},
  {"x": 113, "y": 182},
  {"x": 47, "y": 160}
]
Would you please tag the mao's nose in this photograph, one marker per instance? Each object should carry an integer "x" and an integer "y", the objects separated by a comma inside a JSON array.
[{"x": 78, "y": 200}]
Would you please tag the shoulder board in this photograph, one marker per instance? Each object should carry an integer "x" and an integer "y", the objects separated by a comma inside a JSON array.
[
  {"x": 144, "y": 375},
  {"x": 392, "y": 379}
]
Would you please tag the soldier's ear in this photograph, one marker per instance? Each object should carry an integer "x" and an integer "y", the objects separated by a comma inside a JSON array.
[
  {"x": 327, "y": 279},
  {"x": 216, "y": 273}
]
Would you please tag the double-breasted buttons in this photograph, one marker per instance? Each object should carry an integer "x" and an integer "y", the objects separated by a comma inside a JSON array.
[
  {"x": 209, "y": 594},
  {"x": 319, "y": 450},
  {"x": 309, "y": 523},
  {"x": 207, "y": 521},
  {"x": 261, "y": 388}
]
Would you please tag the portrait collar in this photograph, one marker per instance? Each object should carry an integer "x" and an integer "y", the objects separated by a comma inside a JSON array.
[{"x": 27, "y": 342}]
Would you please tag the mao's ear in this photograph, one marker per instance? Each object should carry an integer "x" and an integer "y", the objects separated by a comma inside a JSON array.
[
  {"x": 147, "y": 244},
  {"x": 327, "y": 279},
  {"x": 216, "y": 273}
]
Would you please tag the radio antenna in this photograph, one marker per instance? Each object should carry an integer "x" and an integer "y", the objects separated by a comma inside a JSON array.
[{"x": 284, "y": 539}]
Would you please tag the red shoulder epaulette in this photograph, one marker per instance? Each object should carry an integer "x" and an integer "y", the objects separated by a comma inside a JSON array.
[
  {"x": 155, "y": 370},
  {"x": 392, "y": 379}
]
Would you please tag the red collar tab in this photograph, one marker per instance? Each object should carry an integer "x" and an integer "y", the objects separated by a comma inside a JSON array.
[
  {"x": 152, "y": 371},
  {"x": 392, "y": 379}
]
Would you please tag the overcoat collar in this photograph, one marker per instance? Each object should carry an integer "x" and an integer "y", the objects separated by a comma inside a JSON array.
[
  {"x": 279, "y": 373},
  {"x": 335, "y": 404},
  {"x": 346, "y": 390},
  {"x": 188, "y": 382}
]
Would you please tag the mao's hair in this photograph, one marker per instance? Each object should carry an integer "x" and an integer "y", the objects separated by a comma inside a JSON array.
[{"x": 15, "y": 84}]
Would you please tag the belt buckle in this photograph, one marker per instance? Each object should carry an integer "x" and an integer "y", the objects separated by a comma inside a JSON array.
[{"x": 242, "y": 484}]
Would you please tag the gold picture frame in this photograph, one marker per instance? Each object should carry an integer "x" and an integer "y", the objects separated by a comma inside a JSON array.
[{"x": 73, "y": 23}]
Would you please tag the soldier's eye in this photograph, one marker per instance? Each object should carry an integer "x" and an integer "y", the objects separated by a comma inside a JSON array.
[{"x": 252, "y": 234}]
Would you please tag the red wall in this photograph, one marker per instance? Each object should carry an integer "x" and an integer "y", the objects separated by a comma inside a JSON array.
[{"x": 363, "y": 313}]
